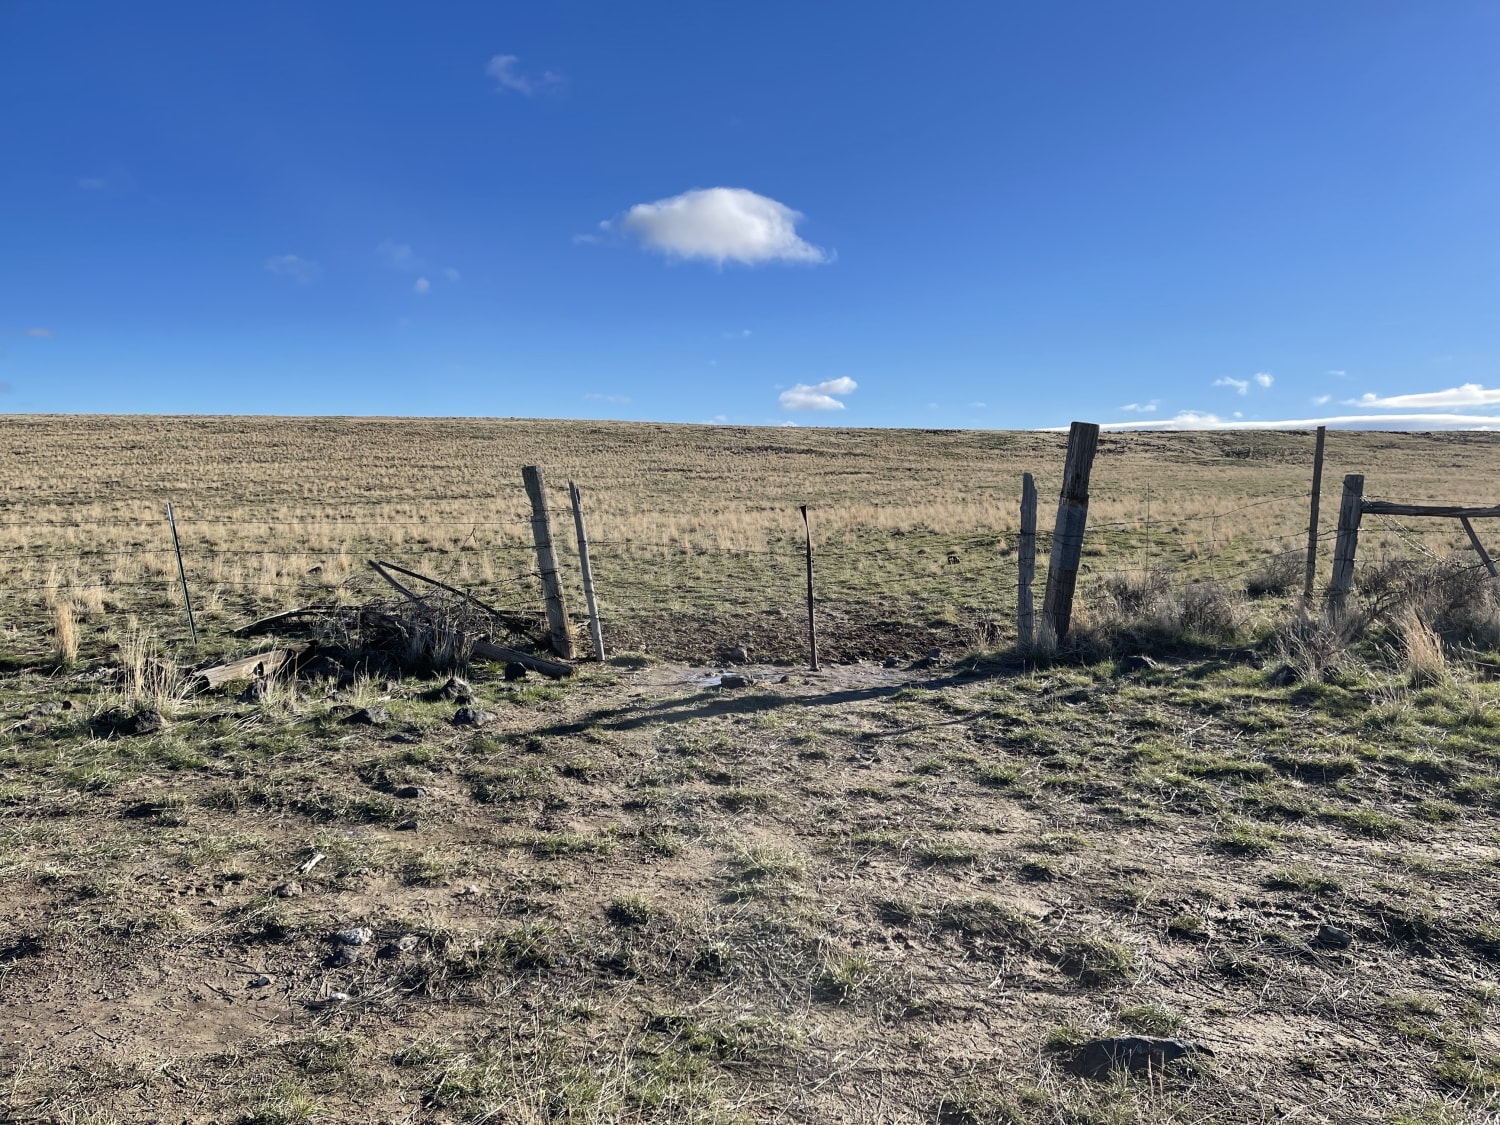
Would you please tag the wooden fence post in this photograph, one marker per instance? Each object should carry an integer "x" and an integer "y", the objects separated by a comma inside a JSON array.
[
  {"x": 1350, "y": 510},
  {"x": 187, "y": 598},
  {"x": 558, "y": 628},
  {"x": 1067, "y": 538},
  {"x": 812, "y": 624},
  {"x": 596, "y": 629},
  {"x": 1026, "y": 564},
  {"x": 1312, "y": 519}
]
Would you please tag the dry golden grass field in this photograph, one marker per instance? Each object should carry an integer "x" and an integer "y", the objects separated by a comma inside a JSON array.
[{"x": 893, "y": 890}]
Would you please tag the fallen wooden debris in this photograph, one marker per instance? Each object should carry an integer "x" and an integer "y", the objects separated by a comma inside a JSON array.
[
  {"x": 557, "y": 670},
  {"x": 510, "y": 620},
  {"x": 266, "y": 624},
  {"x": 259, "y": 665}
]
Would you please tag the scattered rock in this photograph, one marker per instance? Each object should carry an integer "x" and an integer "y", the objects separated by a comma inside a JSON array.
[
  {"x": 360, "y": 935},
  {"x": 1331, "y": 937},
  {"x": 332, "y": 1000},
  {"x": 472, "y": 717},
  {"x": 322, "y": 668},
  {"x": 932, "y": 657},
  {"x": 410, "y": 792},
  {"x": 739, "y": 654},
  {"x": 1139, "y": 662},
  {"x": 457, "y": 691},
  {"x": 1134, "y": 1053},
  {"x": 289, "y": 889},
  {"x": 735, "y": 680},
  {"x": 407, "y": 825},
  {"x": 404, "y": 738},
  {"x": 403, "y": 944},
  {"x": 343, "y": 957},
  {"x": 891, "y": 662},
  {"x": 369, "y": 717},
  {"x": 259, "y": 982},
  {"x": 49, "y": 707},
  {"x": 119, "y": 721},
  {"x": 514, "y": 672}
]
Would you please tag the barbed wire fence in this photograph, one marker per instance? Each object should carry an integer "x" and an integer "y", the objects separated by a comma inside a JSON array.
[{"x": 956, "y": 579}]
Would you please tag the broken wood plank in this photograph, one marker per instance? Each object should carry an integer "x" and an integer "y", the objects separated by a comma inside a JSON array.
[
  {"x": 483, "y": 650},
  {"x": 1386, "y": 508},
  {"x": 1484, "y": 556},
  {"x": 400, "y": 589},
  {"x": 260, "y": 665},
  {"x": 266, "y": 624}
]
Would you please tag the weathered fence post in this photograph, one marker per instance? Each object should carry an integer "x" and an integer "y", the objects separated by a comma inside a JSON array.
[
  {"x": 812, "y": 625},
  {"x": 187, "y": 598},
  {"x": 1350, "y": 510},
  {"x": 558, "y": 629},
  {"x": 596, "y": 628},
  {"x": 1067, "y": 538},
  {"x": 1026, "y": 564},
  {"x": 1312, "y": 519}
]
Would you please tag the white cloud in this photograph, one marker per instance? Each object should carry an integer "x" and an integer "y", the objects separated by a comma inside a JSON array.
[
  {"x": 1264, "y": 378},
  {"x": 1241, "y": 386},
  {"x": 1142, "y": 407},
  {"x": 742, "y": 334},
  {"x": 290, "y": 265},
  {"x": 421, "y": 285},
  {"x": 720, "y": 225},
  {"x": 1470, "y": 394},
  {"x": 1321, "y": 400},
  {"x": 40, "y": 333},
  {"x": 453, "y": 275},
  {"x": 978, "y": 405},
  {"x": 819, "y": 396},
  {"x": 1201, "y": 420},
  {"x": 505, "y": 70},
  {"x": 1338, "y": 374},
  {"x": 398, "y": 255}
]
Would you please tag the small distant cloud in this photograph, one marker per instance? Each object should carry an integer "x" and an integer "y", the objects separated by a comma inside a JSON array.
[
  {"x": 742, "y": 334},
  {"x": 398, "y": 255},
  {"x": 40, "y": 333},
  {"x": 453, "y": 275},
  {"x": 978, "y": 405},
  {"x": 819, "y": 396},
  {"x": 93, "y": 183},
  {"x": 1240, "y": 386},
  {"x": 421, "y": 285},
  {"x": 1338, "y": 374},
  {"x": 594, "y": 396},
  {"x": 720, "y": 225},
  {"x": 506, "y": 71},
  {"x": 1141, "y": 407},
  {"x": 302, "y": 270},
  {"x": 1470, "y": 394},
  {"x": 1203, "y": 420},
  {"x": 1264, "y": 378},
  {"x": 719, "y": 420},
  {"x": 783, "y": 425},
  {"x": 1322, "y": 400}
]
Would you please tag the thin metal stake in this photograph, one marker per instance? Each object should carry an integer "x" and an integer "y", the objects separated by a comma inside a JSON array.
[
  {"x": 187, "y": 598},
  {"x": 812, "y": 625}
]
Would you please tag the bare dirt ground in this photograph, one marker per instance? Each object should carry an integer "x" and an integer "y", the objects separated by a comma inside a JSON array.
[{"x": 866, "y": 894}]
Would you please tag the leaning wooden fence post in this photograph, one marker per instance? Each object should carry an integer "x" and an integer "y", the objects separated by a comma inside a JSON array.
[
  {"x": 546, "y": 564},
  {"x": 187, "y": 598},
  {"x": 596, "y": 629},
  {"x": 1350, "y": 510},
  {"x": 1026, "y": 564},
  {"x": 1067, "y": 538},
  {"x": 1312, "y": 519},
  {"x": 812, "y": 625}
]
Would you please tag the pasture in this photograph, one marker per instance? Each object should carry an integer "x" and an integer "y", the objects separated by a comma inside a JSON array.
[{"x": 899, "y": 889}]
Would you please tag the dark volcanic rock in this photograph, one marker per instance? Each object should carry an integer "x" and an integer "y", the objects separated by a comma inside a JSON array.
[
  {"x": 369, "y": 717},
  {"x": 1134, "y": 1053}
]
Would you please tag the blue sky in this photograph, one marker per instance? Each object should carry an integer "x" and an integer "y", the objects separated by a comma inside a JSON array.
[{"x": 992, "y": 215}]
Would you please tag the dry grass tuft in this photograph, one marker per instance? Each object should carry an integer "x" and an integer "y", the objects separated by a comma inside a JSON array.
[{"x": 64, "y": 633}]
